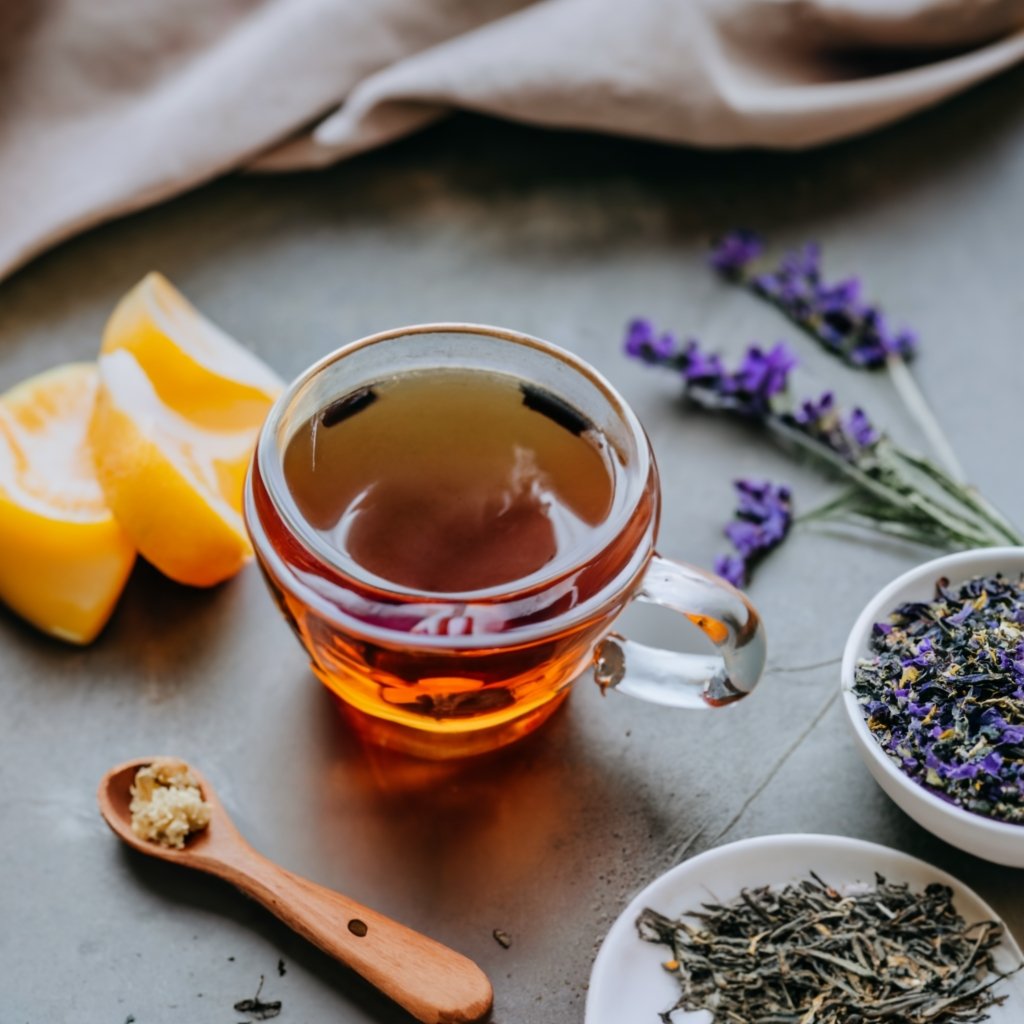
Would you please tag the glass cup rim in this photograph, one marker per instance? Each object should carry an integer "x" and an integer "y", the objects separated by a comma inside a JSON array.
[{"x": 269, "y": 463}]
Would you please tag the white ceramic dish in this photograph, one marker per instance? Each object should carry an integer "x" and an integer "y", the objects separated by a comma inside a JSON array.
[
  {"x": 628, "y": 984},
  {"x": 996, "y": 841}
]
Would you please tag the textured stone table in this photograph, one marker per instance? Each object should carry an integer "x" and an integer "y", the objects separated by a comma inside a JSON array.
[{"x": 566, "y": 237}]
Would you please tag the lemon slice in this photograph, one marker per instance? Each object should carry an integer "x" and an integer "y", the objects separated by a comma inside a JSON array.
[{"x": 64, "y": 560}]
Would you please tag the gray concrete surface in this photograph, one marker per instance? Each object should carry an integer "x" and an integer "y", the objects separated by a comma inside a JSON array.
[{"x": 567, "y": 237}]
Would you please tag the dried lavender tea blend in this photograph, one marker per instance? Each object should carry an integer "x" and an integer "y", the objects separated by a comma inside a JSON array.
[
  {"x": 944, "y": 693},
  {"x": 808, "y": 953}
]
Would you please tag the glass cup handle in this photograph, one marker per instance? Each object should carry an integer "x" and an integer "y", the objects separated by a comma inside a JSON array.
[{"x": 680, "y": 680}]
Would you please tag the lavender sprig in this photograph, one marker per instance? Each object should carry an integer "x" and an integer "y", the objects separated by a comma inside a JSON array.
[
  {"x": 835, "y": 313},
  {"x": 837, "y": 316},
  {"x": 890, "y": 490},
  {"x": 763, "y": 518}
]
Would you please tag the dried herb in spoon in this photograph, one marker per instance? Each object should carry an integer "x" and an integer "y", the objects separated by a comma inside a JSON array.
[{"x": 808, "y": 954}]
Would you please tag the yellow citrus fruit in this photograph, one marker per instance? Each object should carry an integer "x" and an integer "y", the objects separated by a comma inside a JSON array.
[
  {"x": 196, "y": 368},
  {"x": 64, "y": 560},
  {"x": 177, "y": 413}
]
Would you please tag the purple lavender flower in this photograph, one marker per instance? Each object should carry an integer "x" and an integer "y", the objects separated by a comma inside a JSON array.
[
  {"x": 732, "y": 252},
  {"x": 816, "y": 415},
  {"x": 850, "y": 437},
  {"x": 746, "y": 536},
  {"x": 834, "y": 313},
  {"x": 701, "y": 368},
  {"x": 889, "y": 489},
  {"x": 760, "y": 500},
  {"x": 859, "y": 428},
  {"x": 642, "y": 341},
  {"x": 732, "y": 568},
  {"x": 763, "y": 517},
  {"x": 761, "y": 375}
]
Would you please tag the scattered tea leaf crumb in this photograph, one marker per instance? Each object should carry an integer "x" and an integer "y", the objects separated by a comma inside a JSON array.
[
  {"x": 503, "y": 939},
  {"x": 281, "y": 969},
  {"x": 130, "y": 1019},
  {"x": 258, "y": 1008}
]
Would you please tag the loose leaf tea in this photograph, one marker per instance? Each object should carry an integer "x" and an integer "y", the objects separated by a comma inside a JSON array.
[
  {"x": 808, "y": 953},
  {"x": 944, "y": 693}
]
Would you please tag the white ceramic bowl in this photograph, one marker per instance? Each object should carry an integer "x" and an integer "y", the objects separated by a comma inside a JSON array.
[
  {"x": 996, "y": 841},
  {"x": 628, "y": 984}
]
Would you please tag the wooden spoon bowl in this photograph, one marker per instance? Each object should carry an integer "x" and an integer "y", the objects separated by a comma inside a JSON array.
[{"x": 434, "y": 983}]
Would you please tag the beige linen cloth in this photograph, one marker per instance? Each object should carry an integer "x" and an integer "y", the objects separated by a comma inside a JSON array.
[{"x": 109, "y": 105}]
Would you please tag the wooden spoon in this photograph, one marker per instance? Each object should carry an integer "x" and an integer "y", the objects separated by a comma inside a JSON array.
[{"x": 434, "y": 983}]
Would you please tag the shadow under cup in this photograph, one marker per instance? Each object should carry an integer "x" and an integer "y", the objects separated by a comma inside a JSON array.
[{"x": 452, "y": 674}]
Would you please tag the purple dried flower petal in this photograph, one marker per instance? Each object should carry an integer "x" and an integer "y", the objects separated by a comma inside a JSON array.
[
  {"x": 1012, "y": 734},
  {"x": 962, "y": 616},
  {"x": 946, "y": 674}
]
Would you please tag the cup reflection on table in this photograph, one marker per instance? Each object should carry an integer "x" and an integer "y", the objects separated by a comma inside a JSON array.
[{"x": 451, "y": 517}]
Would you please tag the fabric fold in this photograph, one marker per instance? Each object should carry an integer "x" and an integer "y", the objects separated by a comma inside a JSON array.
[{"x": 114, "y": 106}]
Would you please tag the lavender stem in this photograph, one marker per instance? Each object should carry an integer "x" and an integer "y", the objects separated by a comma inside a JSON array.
[
  {"x": 923, "y": 416},
  {"x": 915, "y": 503},
  {"x": 970, "y": 497}
]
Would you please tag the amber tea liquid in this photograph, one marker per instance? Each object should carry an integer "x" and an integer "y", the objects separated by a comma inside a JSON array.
[
  {"x": 450, "y": 503},
  {"x": 446, "y": 482}
]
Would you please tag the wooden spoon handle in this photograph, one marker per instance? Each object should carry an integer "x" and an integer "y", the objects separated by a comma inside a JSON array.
[{"x": 434, "y": 983}]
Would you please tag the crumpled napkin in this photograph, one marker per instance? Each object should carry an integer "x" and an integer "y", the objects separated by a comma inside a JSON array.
[{"x": 112, "y": 106}]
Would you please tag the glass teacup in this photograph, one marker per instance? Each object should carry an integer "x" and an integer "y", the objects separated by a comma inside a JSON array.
[{"x": 446, "y": 671}]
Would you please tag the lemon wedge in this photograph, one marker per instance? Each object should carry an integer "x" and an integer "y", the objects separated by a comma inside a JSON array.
[
  {"x": 64, "y": 560},
  {"x": 196, "y": 368},
  {"x": 177, "y": 413}
]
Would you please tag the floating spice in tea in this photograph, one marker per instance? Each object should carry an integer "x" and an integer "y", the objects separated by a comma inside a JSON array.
[
  {"x": 944, "y": 693},
  {"x": 810, "y": 953}
]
